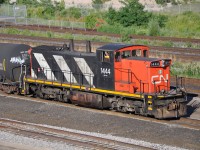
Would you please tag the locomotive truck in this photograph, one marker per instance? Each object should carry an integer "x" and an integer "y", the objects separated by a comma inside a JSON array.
[{"x": 120, "y": 77}]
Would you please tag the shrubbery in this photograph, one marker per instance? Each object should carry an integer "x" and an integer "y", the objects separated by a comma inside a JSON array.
[
  {"x": 186, "y": 69},
  {"x": 153, "y": 28},
  {"x": 131, "y": 14}
]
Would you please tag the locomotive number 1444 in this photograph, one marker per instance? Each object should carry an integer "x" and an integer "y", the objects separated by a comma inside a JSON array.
[{"x": 105, "y": 71}]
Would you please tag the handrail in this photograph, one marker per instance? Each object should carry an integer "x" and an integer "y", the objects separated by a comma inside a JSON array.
[{"x": 48, "y": 71}]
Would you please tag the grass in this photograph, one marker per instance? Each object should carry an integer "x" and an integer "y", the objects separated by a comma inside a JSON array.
[
  {"x": 124, "y": 38},
  {"x": 185, "y": 25},
  {"x": 50, "y": 34},
  {"x": 191, "y": 69}
]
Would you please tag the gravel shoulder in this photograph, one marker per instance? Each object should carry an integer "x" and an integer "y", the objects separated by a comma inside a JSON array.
[
  {"x": 89, "y": 121},
  {"x": 14, "y": 146}
]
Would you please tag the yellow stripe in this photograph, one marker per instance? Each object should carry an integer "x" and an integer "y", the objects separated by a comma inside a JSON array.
[
  {"x": 83, "y": 88},
  {"x": 92, "y": 89}
]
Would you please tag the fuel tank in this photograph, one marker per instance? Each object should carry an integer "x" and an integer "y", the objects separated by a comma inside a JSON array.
[
  {"x": 90, "y": 100},
  {"x": 11, "y": 58}
]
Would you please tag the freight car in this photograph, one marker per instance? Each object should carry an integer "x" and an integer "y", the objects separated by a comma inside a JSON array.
[
  {"x": 118, "y": 76},
  {"x": 12, "y": 56}
]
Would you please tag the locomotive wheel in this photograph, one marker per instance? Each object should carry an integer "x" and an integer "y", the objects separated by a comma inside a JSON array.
[
  {"x": 39, "y": 94},
  {"x": 59, "y": 98},
  {"x": 124, "y": 109},
  {"x": 65, "y": 99}
]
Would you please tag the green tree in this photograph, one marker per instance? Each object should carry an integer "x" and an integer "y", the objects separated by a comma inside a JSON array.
[
  {"x": 97, "y": 2},
  {"x": 28, "y": 2},
  {"x": 60, "y": 6},
  {"x": 49, "y": 9},
  {"x": 74, "y": 12},
  {"x": 4, "y": 1},
  {"x": 112, "y": 16},
  {"x": 131, "y": 14},
  {"x": 162, "y": 2}
]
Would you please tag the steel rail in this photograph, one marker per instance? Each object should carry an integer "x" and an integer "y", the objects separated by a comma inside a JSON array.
[
  {"x": 68, "y": 137},
  {"x": 95, "y": 32},
  {"x": 190, "y": 52}
]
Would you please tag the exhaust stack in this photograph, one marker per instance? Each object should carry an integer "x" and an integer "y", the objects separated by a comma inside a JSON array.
[
  {"x": 88, "y": 47},
  {"x": 71, "y": 45}
]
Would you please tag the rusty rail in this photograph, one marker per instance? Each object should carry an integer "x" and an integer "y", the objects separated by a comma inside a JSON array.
[{"x": 95, "y": 32}]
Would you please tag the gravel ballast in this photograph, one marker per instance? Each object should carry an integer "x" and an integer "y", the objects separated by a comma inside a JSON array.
[{"x": 89, "y": 121}]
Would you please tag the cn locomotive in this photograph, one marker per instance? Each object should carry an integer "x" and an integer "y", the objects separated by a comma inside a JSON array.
[{"x": 119, "y": 77}]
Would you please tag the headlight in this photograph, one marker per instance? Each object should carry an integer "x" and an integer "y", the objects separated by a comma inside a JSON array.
[{"x": 165, "y": 63}]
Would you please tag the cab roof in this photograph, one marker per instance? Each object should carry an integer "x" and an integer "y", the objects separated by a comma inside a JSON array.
[{"x": 115, "y": 46}]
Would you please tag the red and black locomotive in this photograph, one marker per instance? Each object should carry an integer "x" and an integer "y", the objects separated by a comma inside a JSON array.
[{"x": 118, "y": 76}]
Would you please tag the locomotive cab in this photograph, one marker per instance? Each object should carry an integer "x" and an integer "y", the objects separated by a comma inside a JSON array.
[{"x": 130, "y": 68}]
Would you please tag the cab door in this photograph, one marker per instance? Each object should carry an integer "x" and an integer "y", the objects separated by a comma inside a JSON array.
[
  {"x": 122, "y": 72},
  {"x": 105, "y": 69}
]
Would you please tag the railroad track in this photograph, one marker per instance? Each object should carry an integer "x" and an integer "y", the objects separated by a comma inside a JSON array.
[
  {"x": 70, "y": 138},
  {"x": 95, "y": 32},
  {"x": 179, "y": 54},
  {"x": 183, "y": 122}
]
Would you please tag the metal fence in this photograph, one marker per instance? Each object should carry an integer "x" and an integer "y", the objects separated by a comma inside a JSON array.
[
  {"x": 102, "y": 7},
  {"x": 178, "y": 9},
  {"x": 174, "y": 9},
  {"x": 17, "y": 15},
  {"x": 13, "y": 11},
  {"x": 195, "y": 7},
  {"x": 43, "y": 22}
]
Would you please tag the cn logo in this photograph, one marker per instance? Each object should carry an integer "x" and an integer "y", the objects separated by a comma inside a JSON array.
[{"x": 159, "y": 78}]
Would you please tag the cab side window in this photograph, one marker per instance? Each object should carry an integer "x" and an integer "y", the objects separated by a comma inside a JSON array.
[
  {"x": 136, "y": 53},
  {"x": 145, "y": 53},
  {"x": 117, "y": 57},
  {"x": 105, "y": 56},
  {"x": 126, "y": 54}
]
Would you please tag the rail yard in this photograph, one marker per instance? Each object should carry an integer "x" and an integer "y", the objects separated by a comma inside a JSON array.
[{"x": 34, "y": 123}]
